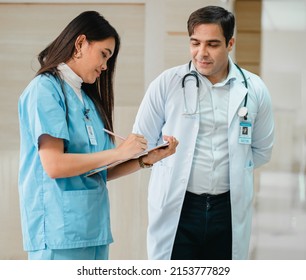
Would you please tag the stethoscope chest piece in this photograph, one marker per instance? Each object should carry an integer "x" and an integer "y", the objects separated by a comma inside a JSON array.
[{"x": 242, "y": 112}]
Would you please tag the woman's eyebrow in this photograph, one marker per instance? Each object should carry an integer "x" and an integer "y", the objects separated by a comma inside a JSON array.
[{"x": 110, "y": 52}]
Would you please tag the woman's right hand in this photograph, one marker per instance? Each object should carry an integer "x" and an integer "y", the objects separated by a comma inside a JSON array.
[{"x": 132, "y": 145}]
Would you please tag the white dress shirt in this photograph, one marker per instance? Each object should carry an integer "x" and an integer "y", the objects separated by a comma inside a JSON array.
[{"x": 210, "y": 167}]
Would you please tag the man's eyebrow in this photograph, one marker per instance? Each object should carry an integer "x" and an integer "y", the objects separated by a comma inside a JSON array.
[
  {"x": 214, "y": 41},
  {"x": 208, "y": 41}
]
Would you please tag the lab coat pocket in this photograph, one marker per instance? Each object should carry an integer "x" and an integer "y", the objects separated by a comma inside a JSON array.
[
  {"x": 83, "y": 214},
  {"x": 159, "y": 185}
]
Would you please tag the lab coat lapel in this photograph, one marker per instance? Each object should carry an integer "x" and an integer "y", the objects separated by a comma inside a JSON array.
[{"x": 237, "y": 94}]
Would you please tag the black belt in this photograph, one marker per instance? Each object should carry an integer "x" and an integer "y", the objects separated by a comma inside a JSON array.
[{"x": 207, "y": 195}]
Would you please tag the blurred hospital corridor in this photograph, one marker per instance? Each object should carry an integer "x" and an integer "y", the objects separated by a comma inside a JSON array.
[{"x": 279, "y": 221}]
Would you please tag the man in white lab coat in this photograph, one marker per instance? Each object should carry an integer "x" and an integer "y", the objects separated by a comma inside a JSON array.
[{"x": 200, "y": 198}]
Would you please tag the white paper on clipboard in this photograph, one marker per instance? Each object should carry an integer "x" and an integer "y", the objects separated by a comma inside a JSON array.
[{"x": 94, "y": 171}]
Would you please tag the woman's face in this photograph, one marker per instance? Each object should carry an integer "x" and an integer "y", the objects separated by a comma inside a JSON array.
[{"x": 91, "y": 58}]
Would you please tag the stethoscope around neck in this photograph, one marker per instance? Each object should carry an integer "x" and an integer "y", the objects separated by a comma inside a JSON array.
[{"x": 242, "y": 112}]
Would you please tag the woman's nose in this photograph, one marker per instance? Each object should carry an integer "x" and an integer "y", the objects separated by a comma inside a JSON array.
[{"x": 103, "y": 66}]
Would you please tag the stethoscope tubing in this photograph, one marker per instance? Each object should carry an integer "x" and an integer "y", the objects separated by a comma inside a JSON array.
[{"x": 194, "y": 74}]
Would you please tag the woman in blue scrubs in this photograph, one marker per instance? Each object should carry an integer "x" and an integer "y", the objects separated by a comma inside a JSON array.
[{"x": 62, "y": 113}]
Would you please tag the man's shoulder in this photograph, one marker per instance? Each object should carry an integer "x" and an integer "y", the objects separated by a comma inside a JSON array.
[{"x": 179, "y": 70}]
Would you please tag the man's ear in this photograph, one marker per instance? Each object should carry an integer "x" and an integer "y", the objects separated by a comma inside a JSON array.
[{"x": 231, "y": 43}]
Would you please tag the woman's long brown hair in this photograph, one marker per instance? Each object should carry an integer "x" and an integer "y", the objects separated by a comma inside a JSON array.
[{"x": 96, "y": 28}]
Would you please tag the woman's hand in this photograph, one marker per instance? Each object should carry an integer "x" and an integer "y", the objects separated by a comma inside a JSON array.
[
  {"x": 132, "y": 145},
  {"x": 158, "y": 154},
  {"x": 151, "y": 158}
]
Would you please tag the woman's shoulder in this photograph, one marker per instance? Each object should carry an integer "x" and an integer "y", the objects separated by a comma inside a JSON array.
[
  {"x": 43, "y": 80},
  {"x": 48, "y": 79},
  {"x": 42, "y": 85}
]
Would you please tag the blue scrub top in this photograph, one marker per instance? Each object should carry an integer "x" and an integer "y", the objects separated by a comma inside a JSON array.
[{"x": 68, "y": 212}]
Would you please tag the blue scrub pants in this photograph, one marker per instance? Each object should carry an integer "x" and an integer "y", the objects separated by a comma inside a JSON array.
[
  {"x": 205, "y": 228},
  {"x": 86, "y": 253}
]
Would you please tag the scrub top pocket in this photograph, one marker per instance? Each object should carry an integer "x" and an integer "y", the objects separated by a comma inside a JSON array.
[{"x": 85, "y": 215}]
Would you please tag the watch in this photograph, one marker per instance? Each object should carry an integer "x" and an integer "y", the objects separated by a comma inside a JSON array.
[{"x": 142, "y": 164}]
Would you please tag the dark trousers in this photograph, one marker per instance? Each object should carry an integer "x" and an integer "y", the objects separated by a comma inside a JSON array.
[{"x": 205, "y": 228}]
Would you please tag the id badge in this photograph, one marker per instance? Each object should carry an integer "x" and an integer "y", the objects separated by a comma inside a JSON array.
[
  {"x": 245, "y": 133},
  {"x": 91, "y": 134}
]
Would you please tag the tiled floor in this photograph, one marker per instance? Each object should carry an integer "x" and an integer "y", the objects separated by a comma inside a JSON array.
[{"x": 279, "y": 224}]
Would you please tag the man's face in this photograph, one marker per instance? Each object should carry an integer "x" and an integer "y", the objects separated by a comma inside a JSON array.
[{"x": 209, "y": 51}]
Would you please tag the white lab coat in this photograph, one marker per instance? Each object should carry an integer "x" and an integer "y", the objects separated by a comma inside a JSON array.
[{"x": 160, "y": 113}]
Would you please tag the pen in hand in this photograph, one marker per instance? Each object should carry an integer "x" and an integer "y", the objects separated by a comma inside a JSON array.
[{"x": 114, "y": 134}]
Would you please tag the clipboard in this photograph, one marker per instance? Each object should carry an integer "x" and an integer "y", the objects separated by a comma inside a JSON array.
[{"x": 99, "y": 169}]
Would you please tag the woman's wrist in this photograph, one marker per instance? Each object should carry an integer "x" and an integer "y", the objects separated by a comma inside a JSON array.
[{"x": 144, "y": 164}]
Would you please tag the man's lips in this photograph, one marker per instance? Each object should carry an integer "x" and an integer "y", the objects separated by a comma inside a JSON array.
[{"x": 204, "y": 63}]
